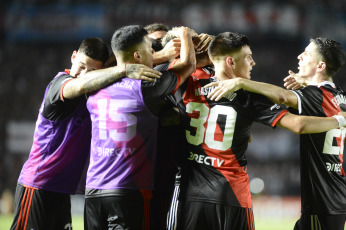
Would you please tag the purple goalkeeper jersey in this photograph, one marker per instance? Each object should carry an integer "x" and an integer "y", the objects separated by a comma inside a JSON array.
[
  {"x": 60, "y": 149},
  {"x": 123, "y": 144}
]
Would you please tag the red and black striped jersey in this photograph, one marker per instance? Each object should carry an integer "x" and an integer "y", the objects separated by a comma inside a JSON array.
[
  {"x": 214, "y": 169},
  {"x": 323, "y": 182}
]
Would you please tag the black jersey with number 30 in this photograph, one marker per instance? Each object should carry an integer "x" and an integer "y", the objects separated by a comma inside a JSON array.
[
  {"x": 323, "y": 182},
  {"x": 217, "y": 133}
]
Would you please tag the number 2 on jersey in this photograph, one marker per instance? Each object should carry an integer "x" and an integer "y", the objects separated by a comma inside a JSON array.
[
  {"x": 210, "y": 116},
  {"x": 328, "y": 147}
]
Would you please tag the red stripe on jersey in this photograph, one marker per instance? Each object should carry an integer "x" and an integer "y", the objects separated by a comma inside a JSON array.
[
  {"x": 328, "y": 106},
  {"x": 201, "y": 74},
  {"x": 62, "y": 88},
  {"x": 278, "y": 117}
]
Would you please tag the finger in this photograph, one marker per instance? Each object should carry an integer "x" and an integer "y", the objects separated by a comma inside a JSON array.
[
  {"x": 143, "y": 77},
  {"x": 220, "y": 95},
  {"x": 212, "y": 94},
  {"x": 211, "y": 84},
  {"x": 290, "y": 81},
  {"x": 288, "y": 78},
  {"x": 150, "y": 75}
]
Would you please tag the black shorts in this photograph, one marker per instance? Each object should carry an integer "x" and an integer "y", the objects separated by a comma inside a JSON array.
[
  {"x": 320, "y": 222},
  {"x": 39, "y": 209},
  {"x": 128, "y": 210},
  {"x": 209, "y": 216}
]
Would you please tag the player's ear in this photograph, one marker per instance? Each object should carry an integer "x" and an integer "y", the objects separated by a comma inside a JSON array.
[
  {"x": 74, "y": 55},
  {"x": 229, "y": 61},
  {"x": 137, "y": 55},
  {"x": 321, "y": 66}
]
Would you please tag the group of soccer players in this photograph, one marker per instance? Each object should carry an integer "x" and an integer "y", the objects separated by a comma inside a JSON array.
[{"x": 102, "y": 130}]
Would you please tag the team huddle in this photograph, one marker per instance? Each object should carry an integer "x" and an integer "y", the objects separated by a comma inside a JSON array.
[{"x": 155, "y": 134}]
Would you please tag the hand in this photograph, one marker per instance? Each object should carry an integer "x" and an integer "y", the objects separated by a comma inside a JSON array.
[
  {"x": 180, "y": 31},
  {"x": 202, "y": 42},
  {"x": 222, "y": 88},
  {"x": 294, "y": 81},
  {"x": 143, "y": 72},
  {"x": 342, "y": 114},
  {"x": 171, "y": 49}
]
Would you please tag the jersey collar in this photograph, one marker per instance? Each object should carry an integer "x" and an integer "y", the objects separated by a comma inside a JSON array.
[{"x": 326, "y": 83}]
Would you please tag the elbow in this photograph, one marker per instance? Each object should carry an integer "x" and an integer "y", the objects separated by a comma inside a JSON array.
[
  {"x": 282, "y": 99},
  {"x": 300, "y": 127}
]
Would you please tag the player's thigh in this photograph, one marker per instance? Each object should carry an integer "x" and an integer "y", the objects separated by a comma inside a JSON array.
[
  {"x": 200, "y": 215},
  {"x": 114, "y": 212},
  {"x": 39, "y": 209},
  {"x": 320, "y": 222}
]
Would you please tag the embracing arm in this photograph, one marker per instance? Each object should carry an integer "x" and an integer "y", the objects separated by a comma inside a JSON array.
[
  {"x": 307, "y": 124},
  {"x": 98, "y": 79},
  {"x": 275, "y": 93}
]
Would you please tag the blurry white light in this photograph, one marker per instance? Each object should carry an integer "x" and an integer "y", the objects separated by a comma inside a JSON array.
[{"x": 256, "y": 185}]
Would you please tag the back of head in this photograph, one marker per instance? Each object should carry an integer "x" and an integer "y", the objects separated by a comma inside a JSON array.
[
  {"x": 156, "y": 27},
  {"x": 331, "y": 53},
  {"x": 167, "y": 38},
  {"x": 226, "y": 43},
  {"x": 94, "y": 48},
  {"x": 127, "y": 38}
]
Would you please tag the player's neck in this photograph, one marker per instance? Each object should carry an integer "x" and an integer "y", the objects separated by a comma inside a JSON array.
[
  {"x": 224, "y": 74},
  {"x": 318, "y": 78}
]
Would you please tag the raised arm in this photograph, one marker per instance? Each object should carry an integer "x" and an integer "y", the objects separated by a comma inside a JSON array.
[
  {"x": 98, "y": 79},
  {"x": 275, "y": 93},
  {"x": 186, "y": 65},
  {"x": 169, "y": 52}
]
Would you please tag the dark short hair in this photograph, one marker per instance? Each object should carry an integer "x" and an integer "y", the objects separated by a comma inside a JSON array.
[
  {"x": 227, "y": 42},
  {"x": 156, "y": 45},
  {"x": 332, "y": 54},
  {"x": 127, "y": 37},
  {"x": 156, "y": 27},
  {"x": 94, "y": 48}
]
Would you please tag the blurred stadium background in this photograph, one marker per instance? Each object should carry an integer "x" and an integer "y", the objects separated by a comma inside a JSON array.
[{"x": 38, "y": 37}]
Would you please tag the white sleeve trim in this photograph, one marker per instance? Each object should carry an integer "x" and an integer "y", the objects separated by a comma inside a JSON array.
[{"x": 299, "y": 102}]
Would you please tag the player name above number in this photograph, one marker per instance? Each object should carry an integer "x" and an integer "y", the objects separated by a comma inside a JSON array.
[{"x": 205, "y": 91}]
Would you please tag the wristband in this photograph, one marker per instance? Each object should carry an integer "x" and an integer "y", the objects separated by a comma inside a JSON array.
[
  {"x": 125, "y": 69},
  {"x": 341, "y": 120}
]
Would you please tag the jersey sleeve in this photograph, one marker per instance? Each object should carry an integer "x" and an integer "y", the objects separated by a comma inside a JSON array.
[
  {"x": 309, "y": 100},
  {"x": 55, "y": 108},
  {"x": 154, "y": 92},
  {"x": 264, "y": 110}
]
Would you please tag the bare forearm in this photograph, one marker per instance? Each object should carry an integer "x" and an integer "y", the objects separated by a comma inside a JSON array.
[
  {"x": 187, "y": 56},
  {"x": 93, "y": 81},
  {"x": 159, "y": 57},
  {"x": 276, "y": 94},
  {"x": 307, "y": 124}
]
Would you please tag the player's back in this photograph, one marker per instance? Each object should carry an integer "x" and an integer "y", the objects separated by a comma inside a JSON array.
[{"x": 123, "y": 138}]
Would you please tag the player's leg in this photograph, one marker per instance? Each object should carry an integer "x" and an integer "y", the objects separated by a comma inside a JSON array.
[
  {"x": 320, "y": 222},
  {"x": 335, "y": 222},
  {"x": 18, "y": 200},
  {"x": 191, "y": 216},
  {"x": 173, "y": 212},
  {"x": 225, "y": 217},
  {"x": 94, "y": 214},
  {"x": 126, "y": 211},
  {"x": 39, "y": 209}
]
